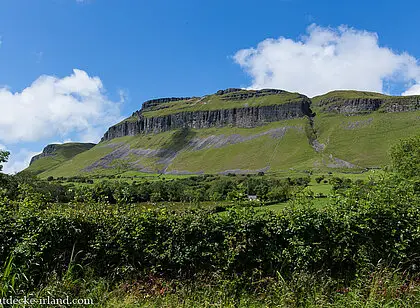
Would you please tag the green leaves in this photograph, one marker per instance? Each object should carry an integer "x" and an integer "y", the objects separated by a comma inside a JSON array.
[
  {"x": 4, "y": 156},
  {"x": 405, "y": 157},
  {"x": 369, "y": 222}
]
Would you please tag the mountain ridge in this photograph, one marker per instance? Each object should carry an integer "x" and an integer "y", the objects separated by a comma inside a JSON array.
[
  {"x": 237, "y": 107},
  {"x": 257, "y": 130},
  {"x": 54, "y": 154}
]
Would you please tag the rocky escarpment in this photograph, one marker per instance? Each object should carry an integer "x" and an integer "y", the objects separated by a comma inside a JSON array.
[
  {"x": 66, "y": 150},
  {"x": 49, "y": 150},
  {"x": 156, "y": 102},
  {"x": 240, "y": 94},
  {"x": 401, "y": 104},
  {"x": 354, "y": 106},
  {"x": 249, "y": 117}
]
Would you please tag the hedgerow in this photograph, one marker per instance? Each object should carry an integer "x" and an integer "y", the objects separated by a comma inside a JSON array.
[{"x": 358, "y": 230}]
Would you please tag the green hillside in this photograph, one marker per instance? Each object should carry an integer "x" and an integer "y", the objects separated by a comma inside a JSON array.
[
  {"x": 384, "y": 103},
  {"x": 347, "y": 95},
  {"x": 56, "y": 155},
  {"x": 272, "y": 146},
  {"x": 328, "y": 141},
  {"x": 224, "y": 101},
  {"x": 364, "y": 140}
]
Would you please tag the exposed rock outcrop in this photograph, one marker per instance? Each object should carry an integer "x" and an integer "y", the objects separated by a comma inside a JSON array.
[
  {"x": 401, "y": 104},
  {"x": 351, "y": 106},
  {"x": 66, "y": 150},
  {"x": 341, "y": 102},
  {"x": 49, "y": 150},
  {"x": 241, "y": 117},
  {"x": 155, "y": 102},
  {"x": 239, "y": 94},
  {"x": 368, "y": 105}
]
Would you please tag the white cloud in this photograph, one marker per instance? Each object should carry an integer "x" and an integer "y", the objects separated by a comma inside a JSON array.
[
  {"x": 51, "y": 106},
  {"x": 18, "y": 161},
  {"x": 413, "y": 90},
  {"x": 328, "y": 59}
]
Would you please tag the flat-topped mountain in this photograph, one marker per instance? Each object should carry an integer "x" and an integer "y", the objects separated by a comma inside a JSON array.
[
  {"x": 242, "y": 131},
  {"x": 358, "y": 102},
  {"x": 235, "y": 107}
]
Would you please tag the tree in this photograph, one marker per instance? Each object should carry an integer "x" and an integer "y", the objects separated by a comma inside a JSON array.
[
  {"x": 4, "y": 156},
  {"x": 405, "y": 157}
]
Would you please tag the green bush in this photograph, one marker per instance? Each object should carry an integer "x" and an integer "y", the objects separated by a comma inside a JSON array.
[
  {"x": 405, "y": 157},
  {"x": 361, "y": 228}
]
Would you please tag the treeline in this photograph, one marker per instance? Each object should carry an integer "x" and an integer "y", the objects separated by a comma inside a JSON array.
[
  {"x": 365, "y": 226},
  {"x": 356, "y": 231},
  {"x": 192, "y": 189}
]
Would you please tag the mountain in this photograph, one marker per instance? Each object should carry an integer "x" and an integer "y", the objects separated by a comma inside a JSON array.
[
  {"x": 236, "y": 107},
  {"x": 236, "y": 130},
  {"x": 55, "y": 154}
]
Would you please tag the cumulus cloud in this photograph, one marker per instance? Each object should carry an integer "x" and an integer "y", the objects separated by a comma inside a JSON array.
[
  {"x": 53, "y": 106},
  {"x": 327, "y": 59},
  {"x": 18, "y": 160},
  {"x": 413, "y": 90}
]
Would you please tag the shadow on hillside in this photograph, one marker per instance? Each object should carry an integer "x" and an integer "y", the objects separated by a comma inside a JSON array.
[{"x": 178, "y": 141}]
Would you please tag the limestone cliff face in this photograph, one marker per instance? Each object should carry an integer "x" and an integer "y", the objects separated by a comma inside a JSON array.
[
  {"x": 368, "y": 105},
  {"x": 49, "y": 150},
  {"x": 240, "y": 117},
  {"x": 401, "y": 104},
  {"x": 155, "y": 102},
  {"x": 66, "y": 150},
  {"x": 351, "y": 106}
]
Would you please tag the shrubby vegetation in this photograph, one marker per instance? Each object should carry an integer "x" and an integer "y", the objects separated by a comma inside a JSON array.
[
  {"x": 357, "y": 231},
  {"x": 192, "y": 189},
  {"x": 4, "y": 156},
  {"x": 406, "y": 157},
  {"x": 359, "y": 249}
]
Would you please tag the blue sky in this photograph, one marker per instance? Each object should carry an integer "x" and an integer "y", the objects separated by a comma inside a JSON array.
[{"x": 71, "y": 68}]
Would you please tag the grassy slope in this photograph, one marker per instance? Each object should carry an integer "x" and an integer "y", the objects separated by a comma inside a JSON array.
[
  {"x": 218, "y": 102},
  {"x": 64, "y": 152},
  {"x": 76, "y": 164},
  {"x": 346, "y": 95},
  {"x": 338, "y": 97},
  {"x": 362, "y": 140},
  {"x": 292, "y": 150}
]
